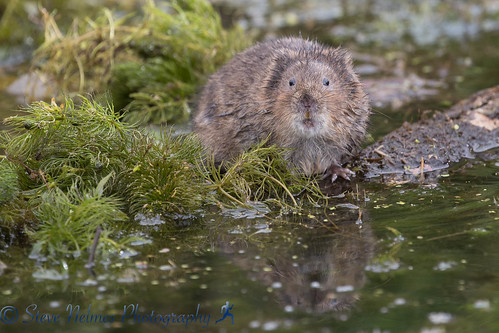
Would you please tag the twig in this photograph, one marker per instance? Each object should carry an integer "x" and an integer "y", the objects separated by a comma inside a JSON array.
[
  {"x": 90, "y": 263},
  {"x": 421, "y": 177},
  {"x": 448, "y": 235}
]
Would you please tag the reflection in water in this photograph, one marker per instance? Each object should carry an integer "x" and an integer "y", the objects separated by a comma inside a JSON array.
[{"x": 310, "y": 266}]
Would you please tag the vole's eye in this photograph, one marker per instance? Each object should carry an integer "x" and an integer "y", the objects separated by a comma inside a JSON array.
[
  {"x": 292, "y": 82},
  {"x": 325, "y": 82}
]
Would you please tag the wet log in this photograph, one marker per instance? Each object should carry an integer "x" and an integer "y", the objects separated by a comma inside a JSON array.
[{"x": 424, "y": 150}]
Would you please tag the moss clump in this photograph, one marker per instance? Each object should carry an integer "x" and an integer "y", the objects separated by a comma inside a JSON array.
[
  {"x": 152, "y": 62},
  {"x": 161, "y": 175},
  {"x": 78, "y": 167},
  {"x": 261, "y": 174},
  {"x": 71, "y": 218},
  {"x": 67, "y": 145},
  {"x": 62, "y": 152},
  {"x": 9, "y": 184}
]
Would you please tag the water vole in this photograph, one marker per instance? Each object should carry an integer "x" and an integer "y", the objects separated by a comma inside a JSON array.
[{"x": 304, "y": 95}]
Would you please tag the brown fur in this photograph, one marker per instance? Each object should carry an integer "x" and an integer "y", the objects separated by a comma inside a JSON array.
[{"x": 251, "y": 98}]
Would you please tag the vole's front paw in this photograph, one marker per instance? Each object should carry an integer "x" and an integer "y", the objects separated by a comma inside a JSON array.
[{"x": 335, "y": 170}]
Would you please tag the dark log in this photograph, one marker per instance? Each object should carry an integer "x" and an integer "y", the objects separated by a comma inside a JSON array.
[{"x": 424, "y": 150}]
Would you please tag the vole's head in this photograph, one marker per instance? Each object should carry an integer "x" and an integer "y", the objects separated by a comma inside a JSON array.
[{"x": 315, "y": 93}]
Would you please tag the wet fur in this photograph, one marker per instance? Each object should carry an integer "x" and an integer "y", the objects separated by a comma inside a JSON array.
[{"x": 250, "y": 99}]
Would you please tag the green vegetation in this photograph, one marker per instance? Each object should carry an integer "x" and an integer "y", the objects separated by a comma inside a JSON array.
[
  {"x": 257, "y": 175},
  {"x": 151, "y": 62},
  {"x": 75, "y": 168}
]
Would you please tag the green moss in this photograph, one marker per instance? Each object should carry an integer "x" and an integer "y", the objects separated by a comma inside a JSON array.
[
  {"x": 70, "y": 219},
  {"x": 261, "y": 174},
  {"x": 75, "y": 168},
  {"x": 9, "y": 184},
  {"x": 151, "y": 62},
  {"x": 161, "y": 175},
  {"x": 65, "y": 145}
]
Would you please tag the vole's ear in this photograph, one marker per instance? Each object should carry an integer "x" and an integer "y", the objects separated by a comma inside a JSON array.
[
  {"x": 278, "y": 66},
  {"x": 348, "y": 58},
  {"x": 341, "y": 55}
]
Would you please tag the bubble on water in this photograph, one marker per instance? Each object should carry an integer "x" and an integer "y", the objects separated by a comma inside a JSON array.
[
  {"x": 440, "y": 317},
  {"x": 277, "y": 285},
  {"x": 55, "y": 304},
  {"x": 315, "y": 284},
  {"x": 49, "y": 274},
  {"x": 398, "y": 239},
  {"x": 483, "y": 304},
  {"x": 383, "y": 267},
  {"x": 270, "y": 326},
  {"x": 444, "y": 265},
  {"x": 479, "y": 230},
  {"x": 399, "y": 301},
  {"x": 149, "y": 220}
]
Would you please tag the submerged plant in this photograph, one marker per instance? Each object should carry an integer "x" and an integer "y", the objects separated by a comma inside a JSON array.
[
  {"x": 151, "y": 62},
  {"x": 70, "y": 219}
]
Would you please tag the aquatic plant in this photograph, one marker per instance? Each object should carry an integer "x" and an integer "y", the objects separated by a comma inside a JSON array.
[
  {"x": 151, "y": 62},
  {"x": 78, "y": 168},
  {"x": 260, "y": 174},
  {"x": 69, "y": 220},
  {"x": 160, "y": 175},
  {"x": 66, "y": 145},
  {"x": 9, "y": 186}
]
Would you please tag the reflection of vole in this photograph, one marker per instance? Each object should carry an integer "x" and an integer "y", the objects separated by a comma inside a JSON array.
[{"x": 303, "y": 94}]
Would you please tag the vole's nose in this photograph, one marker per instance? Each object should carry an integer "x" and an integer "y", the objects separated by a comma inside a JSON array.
[{"x": 307, "y": 103}]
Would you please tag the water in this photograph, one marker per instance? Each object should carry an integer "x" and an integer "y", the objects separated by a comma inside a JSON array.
[
  {"x": 408, "y": 259},
  {"x": 404, "y": 258}
]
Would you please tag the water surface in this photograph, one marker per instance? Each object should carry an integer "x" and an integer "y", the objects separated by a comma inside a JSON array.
[{"x": 385, "y": 258}]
